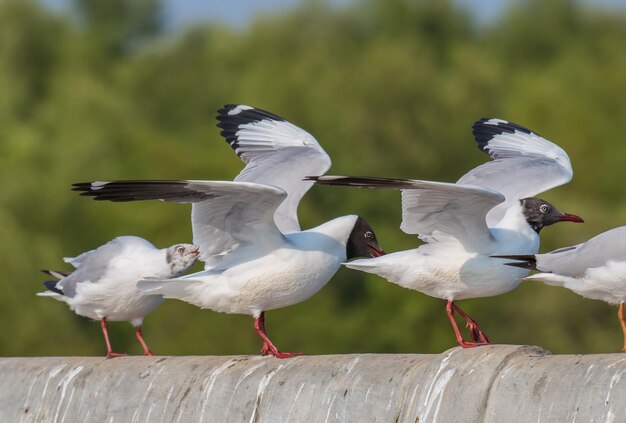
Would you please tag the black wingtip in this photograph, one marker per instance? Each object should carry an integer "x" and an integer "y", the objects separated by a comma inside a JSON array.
[
  {"x": 361, "y": 181},
  {"x": 135, "y": 190},
  {"x": 485, "y": 129},
  {"x": 231, "y": 117},
  {"x": 52, "y": 286},
  {"x": 523, "y": 261}
]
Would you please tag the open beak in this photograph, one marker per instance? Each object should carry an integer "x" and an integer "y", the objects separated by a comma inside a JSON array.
[
  {"x": 375, "y": 251},
  {"x": 566, "y": 217},
  {"x": 195, "y": 252}
]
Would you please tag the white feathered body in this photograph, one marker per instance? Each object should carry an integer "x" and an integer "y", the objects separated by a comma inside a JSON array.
[
  {"x": 606, "y": 283},
  {"x": 446, "y": 269},
  {"x": 106, "y": 285},
  {"x": 114, "y": 297},
  {"x": 250, "y": 282}
]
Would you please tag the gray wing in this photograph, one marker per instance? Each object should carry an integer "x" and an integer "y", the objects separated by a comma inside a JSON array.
[
  {"x": 92, "y": 265},
  {"x": 224, "y": 214},
  {"x": 524, "y": 163},
  {"x": 276, "y": 153},
  {"x": 436, "y": 211},
  {"x": 574, "y": 261}
]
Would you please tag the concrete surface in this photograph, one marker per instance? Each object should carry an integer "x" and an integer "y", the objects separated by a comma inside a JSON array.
[{"x": 500, "y": 383}]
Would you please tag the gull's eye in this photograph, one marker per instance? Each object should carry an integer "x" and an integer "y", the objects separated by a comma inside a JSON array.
[
  {"x": 180, "y": 250},
  {"x": 368, "y": 235},
  {"x": 544, "y": 208}
]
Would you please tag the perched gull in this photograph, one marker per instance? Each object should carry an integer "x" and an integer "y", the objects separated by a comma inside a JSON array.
[
  {"x": 256, "y": 256},
  {"x": 595, "y": 269},
  {"x": 463, "y": 224},
  {"x": 104, "y": 285}
]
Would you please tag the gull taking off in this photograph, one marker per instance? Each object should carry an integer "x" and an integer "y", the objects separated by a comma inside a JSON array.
[
  {"x": 487, "y": 212},
  {"x": 256, "y": 256}
]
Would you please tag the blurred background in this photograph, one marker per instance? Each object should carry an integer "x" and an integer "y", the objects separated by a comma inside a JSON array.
[{"x": 123, "y": 89}]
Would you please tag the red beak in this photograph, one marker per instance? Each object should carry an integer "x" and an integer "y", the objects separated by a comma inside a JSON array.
[
  {"x": 566, "y": 217},
  {"x": 376, "y": 252},
  {"x": 196, "y": 252}
]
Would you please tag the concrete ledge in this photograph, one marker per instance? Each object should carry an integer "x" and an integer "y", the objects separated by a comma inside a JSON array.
[{"x": 500, "y": 383}]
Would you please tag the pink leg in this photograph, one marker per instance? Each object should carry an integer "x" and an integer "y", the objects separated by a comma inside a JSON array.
[
  {"x": 146, "y": 350},
  {"x": 110, "y": 353},
  {"x": 268, "y": 347},
  {"x": 481, "y": 339}
]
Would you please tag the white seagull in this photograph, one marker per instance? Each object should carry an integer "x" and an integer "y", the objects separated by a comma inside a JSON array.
[
  {"x": 490, "y": 211},
  {"x": 104, "y": 285},
  {"x": 595, "y": 269},
  {"x": 256, "y": 256}
]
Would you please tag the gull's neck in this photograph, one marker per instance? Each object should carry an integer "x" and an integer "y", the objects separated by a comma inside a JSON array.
[
  {"x": 331, "y": 237},
  {"x": 514, "y": 234}
]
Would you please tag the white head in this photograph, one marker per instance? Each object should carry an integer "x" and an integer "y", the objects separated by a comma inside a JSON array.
[{"x": 180, "y": 257}]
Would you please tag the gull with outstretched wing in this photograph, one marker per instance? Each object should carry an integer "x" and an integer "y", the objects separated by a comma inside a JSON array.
[
  {"x": 256, "y": 256},
  {"x": 463, "y": 224}
]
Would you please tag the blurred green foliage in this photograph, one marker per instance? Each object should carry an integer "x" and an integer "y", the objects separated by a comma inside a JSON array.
[{"x": 388, "y": 88}]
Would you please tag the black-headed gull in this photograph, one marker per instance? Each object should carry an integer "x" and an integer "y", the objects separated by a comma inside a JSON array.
[
  {"x": 104, "y": 285},
  {"x": 463, "y": 224},
  {"x": 256, "y": 256},
  {"x": 595, "y": 269}
]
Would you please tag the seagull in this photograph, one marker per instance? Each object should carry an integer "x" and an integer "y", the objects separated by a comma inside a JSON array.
[
  {"x": 103, "y": 285},
  {"x": 488, "y": 211},
  {"x": 595, "y": 269},
  {"x": 256, "y": 256}
]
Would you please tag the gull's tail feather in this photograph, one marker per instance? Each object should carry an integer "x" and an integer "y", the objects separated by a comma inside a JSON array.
[
  {"x": 169, "y": 288},
  {"x": 387, "y": 269},
  {"x": 55, "y": 295},
  {"x": 52, "y": 291},
  {"x": 364, "y": 265},
  {"x": 52, "y": 287},
  {"x": 55, "y": 274},
  {"x": 550, "y": 279}
]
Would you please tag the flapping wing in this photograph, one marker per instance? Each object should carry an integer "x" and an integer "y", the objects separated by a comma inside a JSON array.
[
  {"x": 224, "y": 214},
  {"x": 574, "y": 261},
  {"x": 524, "y": 163},
  {"x": 276, "y": 152},
  {"x": 436, "y": 210}
]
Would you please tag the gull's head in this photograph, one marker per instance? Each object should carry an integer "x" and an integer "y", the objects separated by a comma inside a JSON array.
[
  {"x": 362, "y": 241},
  {"x": 540, "y": 213},
  {"x": 180, "y": 257}
]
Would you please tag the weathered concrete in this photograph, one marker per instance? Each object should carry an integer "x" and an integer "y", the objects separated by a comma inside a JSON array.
[{"x": 488, "y": 384}]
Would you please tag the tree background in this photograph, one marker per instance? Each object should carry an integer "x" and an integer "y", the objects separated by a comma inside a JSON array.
[{"x": 388, "y": 88}]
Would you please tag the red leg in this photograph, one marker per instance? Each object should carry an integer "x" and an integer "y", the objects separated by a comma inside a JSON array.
[
  {"x": 146, "y": 350},
  {"x": 450, "y": 308},
  {"x": 110, "y": 353},
  {"x": 622, "y": 319},
  {"x": 475, "y": 332},
  {"x": 268, "y": 347}
]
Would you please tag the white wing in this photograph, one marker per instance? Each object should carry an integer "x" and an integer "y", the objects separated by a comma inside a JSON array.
[
  {"x": 276, "y": 152},
  {"x": 437, "y": 211},
  {"x": 525, "y": 164},
  {"x": 224, "y": 215}
]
